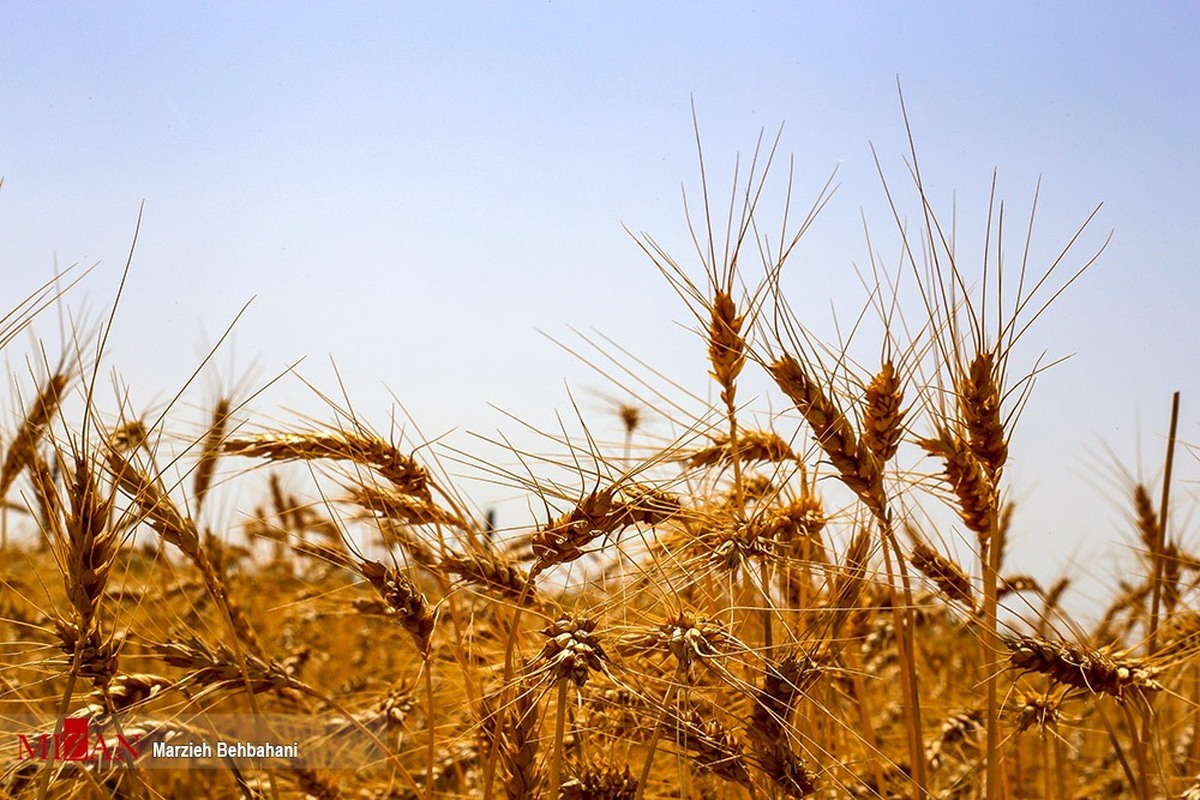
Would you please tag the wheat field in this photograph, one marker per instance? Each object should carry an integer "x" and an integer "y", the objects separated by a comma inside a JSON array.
[{"x": 800, "y": 591}]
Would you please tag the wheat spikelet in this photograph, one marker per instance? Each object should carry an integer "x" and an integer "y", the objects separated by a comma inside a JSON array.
[
  {"x": 726, "y": 347},
  {"x": 216, "y": 666},
  {"x": 572, "y": 650},
  {"x": 126, "y": 690},
  {"x": 1172, "y": 573},
  {"x": 407, "y": 605},
  {"x": 715, "y": 749},
  {"x": 161, "y": 512},
  {"x": 600, "y": 783},
  {"x": 1082, "y": 667},
  {"x": 1018, "y": 583},
  {"x": 802, "y": 519},
  {"x": 129, "y": 437},
  {"x": 944, "y": 573},
  {"x": 971, "y": 486},
  {"x": 858, "y": 467},
  {"x": 515, "y": 736},
  {"x": 20, "y": 453},
  {"x": 97, "y": 654},
  {"x": 389, "y": 712},
  {"x": 956, "y": 728},
  {"x": 210, "y": 452},
  {"x": 647, "y": 505},
  {"x": 631, "y": 417},
  {"x": 45, "y": 491},
  {"x": 92, "y": 542},
  {"x": 850, "y": 582},
  {"x": 361, "y": 448},
  {"x": 1040, "y": 710},
  {"x": 687, "y": 637},
  {"x": 397, "y": 506},
  {"x": 883, "y": 417},
  {"x": 752, "y": 446},
  {"x": 767, "y": 729},
  {"x": 506, "y": 579},
  {"x": 1147, "y": 517},
  {"x": 731, "y": 543},
  {"x": 979, "y": 402},
  {"x": 397, "y": 534},
  {"x": 755, "y": 488},
  {"x": 788, "y": 771},
  {"x": 562, "y": 541},
  {"x": 782, "y": 682},
  {"x": 287, "y": 509}
]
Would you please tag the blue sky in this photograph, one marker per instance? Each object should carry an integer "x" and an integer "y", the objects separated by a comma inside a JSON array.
[{"x": 417, "y": 190}]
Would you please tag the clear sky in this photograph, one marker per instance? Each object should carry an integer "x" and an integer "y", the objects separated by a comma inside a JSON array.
[{"x": 416, "y": 190}]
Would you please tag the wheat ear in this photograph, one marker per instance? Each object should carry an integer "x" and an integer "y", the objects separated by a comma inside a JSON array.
[{"x": 21, "y": 452}]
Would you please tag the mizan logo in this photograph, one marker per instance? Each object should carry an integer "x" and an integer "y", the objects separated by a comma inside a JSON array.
[{"x": 76, "y": 743}]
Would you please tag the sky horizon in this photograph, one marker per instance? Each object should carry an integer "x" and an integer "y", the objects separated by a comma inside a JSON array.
[{"x": 430, "y": 196}]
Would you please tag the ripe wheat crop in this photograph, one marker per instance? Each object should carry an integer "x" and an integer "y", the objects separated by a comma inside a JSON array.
[{"x": 802, "y": 594}]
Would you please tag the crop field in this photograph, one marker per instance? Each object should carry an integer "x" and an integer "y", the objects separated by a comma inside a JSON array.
[{"x": 801, "y": 591}]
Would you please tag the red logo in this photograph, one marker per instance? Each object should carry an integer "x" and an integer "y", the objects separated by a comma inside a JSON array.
[{"x": 75, "y": 743}]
